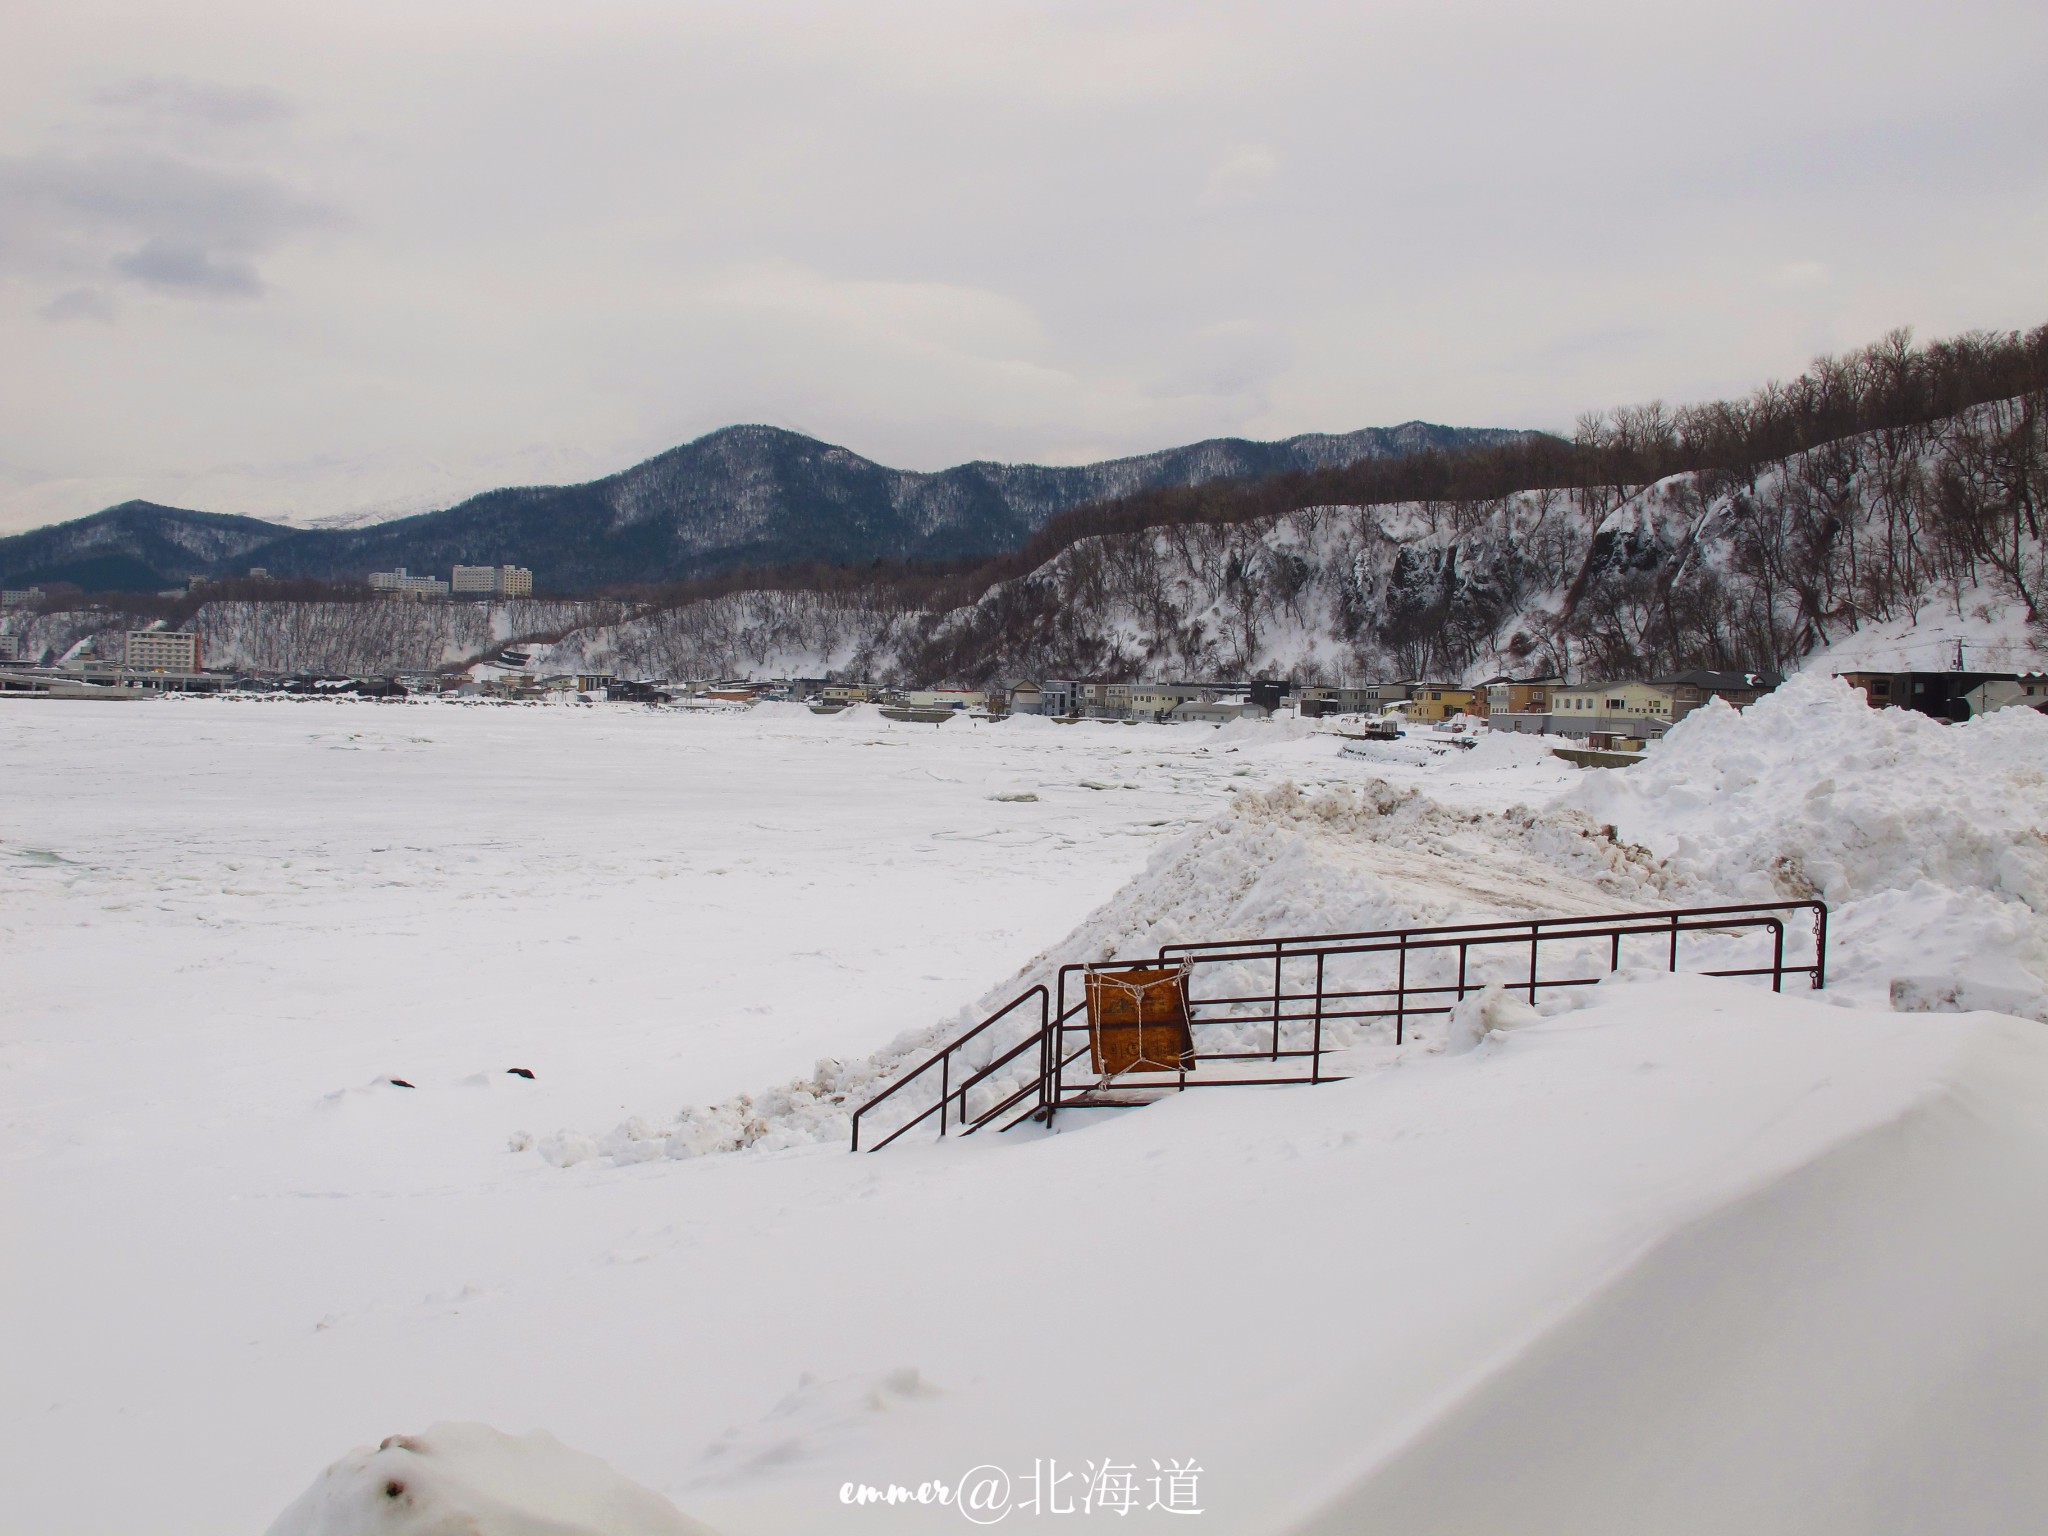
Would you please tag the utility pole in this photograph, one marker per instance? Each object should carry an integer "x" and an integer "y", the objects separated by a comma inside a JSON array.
[{"x": 1959, "y": 657}]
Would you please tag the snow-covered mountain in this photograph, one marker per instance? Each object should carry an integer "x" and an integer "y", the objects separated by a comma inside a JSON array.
[{"x": 742, "y": 496}]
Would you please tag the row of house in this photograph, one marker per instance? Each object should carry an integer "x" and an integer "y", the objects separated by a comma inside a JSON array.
[
  {"x": 1639, "y": 710},
  {"x": 1213, "y": 702}
]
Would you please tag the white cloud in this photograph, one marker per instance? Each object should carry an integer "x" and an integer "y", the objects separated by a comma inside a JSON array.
[
  {"x": 461, "y": 228},
  {"x": 1802, "y": 274},
  {"x": 1241, "y": 171},
  {"x": 160, "y": 100},
  {"x": 80, "y": 304}
]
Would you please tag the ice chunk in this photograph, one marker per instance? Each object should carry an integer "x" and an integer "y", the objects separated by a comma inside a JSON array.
[
  {"x": 1957, "y": 994},
  {"x": 476, "y": 1480},
  {"x": 1477, "y": 1016}
]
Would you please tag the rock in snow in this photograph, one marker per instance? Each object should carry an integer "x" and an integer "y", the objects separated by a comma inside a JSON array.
[{"x": 472, "y": 1480}]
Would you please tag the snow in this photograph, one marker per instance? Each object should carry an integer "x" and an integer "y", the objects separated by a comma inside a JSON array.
[
  {"x": 1990, "y": 626},
  {"x": 1669, "y": 1253}
]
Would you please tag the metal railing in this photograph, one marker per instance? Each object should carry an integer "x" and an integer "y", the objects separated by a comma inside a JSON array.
[
  {"x": 957, "y": 1081},
  {"x": 1267, "y": 1011}
]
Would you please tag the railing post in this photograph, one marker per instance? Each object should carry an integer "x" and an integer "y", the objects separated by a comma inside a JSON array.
[
  {"x": 1464, "y": 950},
  {"x": 1401, "y": 993},
  {"x": 1534, "y": 940},
  {"x": 946, "y": 1091},
  {"x": 1777, "y": 956},
  {"x": 1674, "y": 943},
  {"x": 1043, "y": 1026},
  {"x": 1315, "y": 1067},
  {"x": 1820, "y": 945},
  {"x": 1614, "y": 951},
  {"x": 1279, "y": 961}
]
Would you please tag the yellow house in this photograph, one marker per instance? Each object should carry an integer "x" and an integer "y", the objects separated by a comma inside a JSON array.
[
  {"x": 1440, "y": 701},
  {"x": 1151, "y": 703}
]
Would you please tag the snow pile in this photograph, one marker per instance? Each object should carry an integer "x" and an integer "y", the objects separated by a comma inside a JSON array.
[
  {"x": 1928, "y": 841},
  {"x": 473, "y": 1480},
  {"x": 1404, "y": 753},
  {"x": 857, "y": 716},
  {"x": 1275, "y": 862},
  {"x": 1511, "y": 749},
  {"x": 1263, "y": 732},
  {"x": 1349, "y": 861}
]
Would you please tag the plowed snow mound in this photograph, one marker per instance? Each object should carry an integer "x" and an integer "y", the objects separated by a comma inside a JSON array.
[{"x": 1929, "y": 840}]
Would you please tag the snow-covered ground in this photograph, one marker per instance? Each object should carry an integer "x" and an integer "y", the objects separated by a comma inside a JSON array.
[{"x": 1683, "y": 1258}]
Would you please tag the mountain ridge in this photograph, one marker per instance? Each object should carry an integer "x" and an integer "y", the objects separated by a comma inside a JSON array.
[{"x": 741, "y": 496}]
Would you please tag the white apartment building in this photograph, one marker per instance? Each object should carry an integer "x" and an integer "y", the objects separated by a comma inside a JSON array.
[
  {"x": 162, "y": 650},
  {"x": 497, "y": 580},
  {"x": 399, "y": 584}
]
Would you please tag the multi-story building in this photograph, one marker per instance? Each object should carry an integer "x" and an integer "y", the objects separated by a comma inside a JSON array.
[
  {"x": 22, "y": 597},
  {"x": 10, "y": 647},
  {"x": 1057, "y": 697},
  {"x": 1439, "y": 701},
  {"x": 1155, "y": 701},
  {"x": 1521, "y": 704},
  {"x": 162, "y": 650},
  {"x": 1366, "y": 699},
  {"x": 496, "y": 580},
  {"x": 399, "y": 584}
]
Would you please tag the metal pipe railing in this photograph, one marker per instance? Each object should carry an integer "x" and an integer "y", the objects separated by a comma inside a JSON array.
[{"x": 1327, "y": 1001}]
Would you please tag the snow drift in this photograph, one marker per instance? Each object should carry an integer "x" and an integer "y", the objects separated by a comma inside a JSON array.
[{"x": 1855, "y": 1345}]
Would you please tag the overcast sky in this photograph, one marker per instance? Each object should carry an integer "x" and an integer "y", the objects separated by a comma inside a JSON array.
[{"x": 301, "y": 258}]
